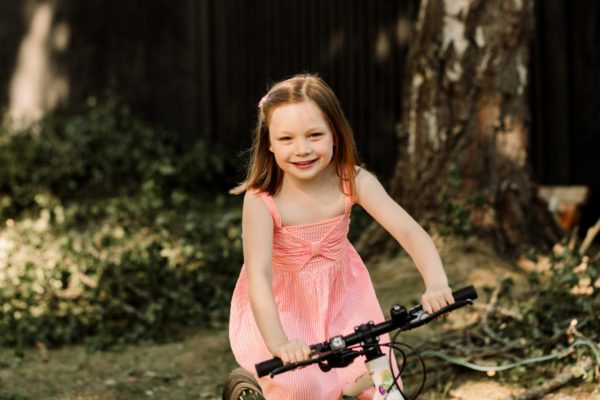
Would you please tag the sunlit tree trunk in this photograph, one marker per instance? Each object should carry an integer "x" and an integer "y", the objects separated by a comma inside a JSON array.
[
  {"x": 38, "y": 85},
  {"x": 463, "y": 139}
]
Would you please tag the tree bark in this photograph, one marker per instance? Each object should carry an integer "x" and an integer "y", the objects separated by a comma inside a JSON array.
[{"x": 463, "y": 138}]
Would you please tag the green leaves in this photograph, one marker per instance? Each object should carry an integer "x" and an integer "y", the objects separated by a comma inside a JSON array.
[{"x": 112, "y": 231}]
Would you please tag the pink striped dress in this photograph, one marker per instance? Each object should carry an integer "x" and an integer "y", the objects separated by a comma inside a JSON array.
[{"x": 322, "y": 289}]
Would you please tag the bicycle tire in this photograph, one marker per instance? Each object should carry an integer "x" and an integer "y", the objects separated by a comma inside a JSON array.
[{"x": 241, "y": 385}]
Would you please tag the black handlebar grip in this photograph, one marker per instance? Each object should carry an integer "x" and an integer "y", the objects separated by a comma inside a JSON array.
[
  {"x": 266, "y": 367},
  {"x": 466, "y": 293}
]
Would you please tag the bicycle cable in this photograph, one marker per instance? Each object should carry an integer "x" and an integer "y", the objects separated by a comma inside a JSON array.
[
  {"x": 400, "y": 369},
  {"x": 394, "y": 345}
]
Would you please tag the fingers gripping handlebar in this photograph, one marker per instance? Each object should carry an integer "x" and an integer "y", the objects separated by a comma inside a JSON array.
[{"x": 400, "y": 319}]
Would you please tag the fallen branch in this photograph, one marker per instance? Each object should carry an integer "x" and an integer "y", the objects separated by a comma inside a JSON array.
[
  {"x": 491, "y": 306},
  {"x": 589, "y": 237},
  {"x": 555, "y": 383},
  {"x": 505, "y": 312}
]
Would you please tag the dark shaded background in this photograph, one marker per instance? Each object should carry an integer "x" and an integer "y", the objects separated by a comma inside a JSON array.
[
  {"x": 200, "y": 67},
  {"x": 565, "y": 136}
]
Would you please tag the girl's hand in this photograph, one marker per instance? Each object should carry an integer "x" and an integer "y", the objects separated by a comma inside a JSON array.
[
  {"x": 436, "y": 297},
  {"x": 292, "y": 351}
]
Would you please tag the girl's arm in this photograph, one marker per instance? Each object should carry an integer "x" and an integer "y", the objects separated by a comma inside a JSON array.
[
  {"x": 411, "y": 236},
  {"x": 257, "y": 236}
]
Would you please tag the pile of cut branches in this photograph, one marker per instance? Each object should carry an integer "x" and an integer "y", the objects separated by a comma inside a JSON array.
[{"x": 544, "y": 337}]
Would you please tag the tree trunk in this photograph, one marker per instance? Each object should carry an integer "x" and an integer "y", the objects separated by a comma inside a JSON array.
[{"x": 463, "y": 140}]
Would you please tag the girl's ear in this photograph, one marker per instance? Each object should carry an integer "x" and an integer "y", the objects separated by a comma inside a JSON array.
[{"x": 269, "y": 140}]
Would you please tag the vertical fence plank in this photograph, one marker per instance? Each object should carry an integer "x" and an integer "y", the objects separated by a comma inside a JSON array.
[{"x": 246, "y": 46}]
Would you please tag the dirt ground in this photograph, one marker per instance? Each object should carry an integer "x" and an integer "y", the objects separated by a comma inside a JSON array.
[{"x": 194, "y": 368}]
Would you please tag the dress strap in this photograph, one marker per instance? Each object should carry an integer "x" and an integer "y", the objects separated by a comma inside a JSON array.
[
  {"x": 347, "y": 197},
  {"x": 270, "y": 203}
]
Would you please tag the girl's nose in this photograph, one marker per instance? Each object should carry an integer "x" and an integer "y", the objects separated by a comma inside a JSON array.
[{"x": 303, "y": 147}]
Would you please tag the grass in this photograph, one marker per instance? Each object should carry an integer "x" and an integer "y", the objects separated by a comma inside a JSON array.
[
  {"x": 193, "y": 368},
  {"x": 196, "y": 366}
]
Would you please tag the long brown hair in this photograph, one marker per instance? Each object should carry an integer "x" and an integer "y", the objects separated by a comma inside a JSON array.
[{"x": 263, "y": 173}]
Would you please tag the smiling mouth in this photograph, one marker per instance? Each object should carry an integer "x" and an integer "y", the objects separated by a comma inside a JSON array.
[{"x": 304, "y": 164}]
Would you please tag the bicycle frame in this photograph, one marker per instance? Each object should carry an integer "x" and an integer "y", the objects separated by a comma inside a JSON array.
[{"x": 379, "y": 375}]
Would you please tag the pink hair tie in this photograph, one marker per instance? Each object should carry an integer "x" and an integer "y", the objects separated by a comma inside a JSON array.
[{"x": 263, "y": 101}]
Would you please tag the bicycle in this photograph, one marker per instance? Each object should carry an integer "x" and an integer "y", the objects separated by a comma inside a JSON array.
[{"x": 341, "y": 351}]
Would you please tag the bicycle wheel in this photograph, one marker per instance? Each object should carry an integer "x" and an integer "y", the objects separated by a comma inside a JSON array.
[{"x": 241, "y": 385}]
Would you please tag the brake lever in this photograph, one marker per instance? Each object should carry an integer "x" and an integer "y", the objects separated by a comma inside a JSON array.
[
  {"x": 422, "y": 317},
  {"x": 451, "y": 307}
]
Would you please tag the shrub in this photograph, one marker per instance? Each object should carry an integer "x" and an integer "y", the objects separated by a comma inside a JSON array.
[{"x": 114, "y": 231}]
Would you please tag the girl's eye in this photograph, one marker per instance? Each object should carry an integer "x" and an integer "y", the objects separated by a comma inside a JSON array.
[
  {"x": 285, "y": 138},
  {"x": 316, "y": 134}
]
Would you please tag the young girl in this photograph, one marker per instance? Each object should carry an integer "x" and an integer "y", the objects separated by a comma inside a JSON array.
[{"x": 302, "y": 281}]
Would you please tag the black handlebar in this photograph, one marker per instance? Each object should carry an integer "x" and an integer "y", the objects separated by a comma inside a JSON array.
[
  {"x": 466, "y": 293},
  {"x": 264, "y": 368},
  {"x": 401, "y": 319}
]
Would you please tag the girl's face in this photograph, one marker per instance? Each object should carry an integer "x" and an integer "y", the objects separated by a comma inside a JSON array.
[{"x": 300, "y": 140}]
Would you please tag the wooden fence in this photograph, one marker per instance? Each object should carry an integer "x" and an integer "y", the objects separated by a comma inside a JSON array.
[
  {"x": 199, "y": 67},
  {"x": 357, "y": 46}
]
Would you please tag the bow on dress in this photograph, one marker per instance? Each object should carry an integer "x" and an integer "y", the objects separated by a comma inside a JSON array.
[{"x": 292, "y": 252}]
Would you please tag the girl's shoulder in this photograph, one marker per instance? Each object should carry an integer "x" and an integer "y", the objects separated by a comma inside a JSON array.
[
  {"x": 363, "y": 176},
  {"x": 367, "y": 184},
  {"x": 254, "y": 200},
  {"x": 251, "y": 195},
  {"x": 257, "y": 208}
]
